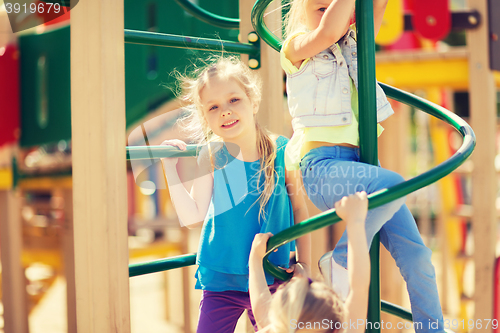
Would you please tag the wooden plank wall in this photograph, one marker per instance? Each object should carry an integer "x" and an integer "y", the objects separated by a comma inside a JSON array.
[
  {"x": 484, "y": 180},
  {"x": 99, "y": 167}
]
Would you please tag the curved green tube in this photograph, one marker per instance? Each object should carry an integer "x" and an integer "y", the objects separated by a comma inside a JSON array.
[
  {"x": 384, "y": 196},
  {"x": 208, "y": 17},
  {"x": 260, "y": 27}
]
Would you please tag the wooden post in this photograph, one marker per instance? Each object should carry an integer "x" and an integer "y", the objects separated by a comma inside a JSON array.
[
  {"x": 99, "y": 167},
  {"x": 483, "y": 121},
  {"x": 69, "y": 259},
  {"x": 394, "y": 149},
  {"x": 271, "y": 108},
  {"x": 13, "y": 281}
]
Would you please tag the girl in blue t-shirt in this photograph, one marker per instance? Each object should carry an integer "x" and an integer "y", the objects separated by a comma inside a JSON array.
[{"x": 241, "y": 189}]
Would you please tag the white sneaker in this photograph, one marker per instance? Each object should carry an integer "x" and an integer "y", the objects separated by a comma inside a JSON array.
[{"x": 335, "y": 275}]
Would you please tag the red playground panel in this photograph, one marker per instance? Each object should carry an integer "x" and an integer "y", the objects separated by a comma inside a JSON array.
[
  {"x": 54, "y": 16},
  {"x": 432, "y": 18},
  {"x": 9, "y": 94}
]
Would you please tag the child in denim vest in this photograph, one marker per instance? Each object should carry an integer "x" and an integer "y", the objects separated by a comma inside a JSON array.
[{"x": 319, "y": 57}]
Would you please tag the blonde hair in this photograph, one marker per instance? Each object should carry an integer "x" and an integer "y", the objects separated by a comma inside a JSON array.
[
  {"x": 302, "y": 301},
  {"x": 294, "y": 19},
  {"x": 195, "y": 123}
]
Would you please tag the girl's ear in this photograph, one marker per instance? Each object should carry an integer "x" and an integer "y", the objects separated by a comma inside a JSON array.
[{"x": 255, "y": 108}]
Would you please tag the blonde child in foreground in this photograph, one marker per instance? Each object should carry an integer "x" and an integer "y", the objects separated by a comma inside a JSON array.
[{"x": 303, "y": 305}]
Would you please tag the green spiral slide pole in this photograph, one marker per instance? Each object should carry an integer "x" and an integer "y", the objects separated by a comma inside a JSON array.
[{"x": 368, "y": 136}]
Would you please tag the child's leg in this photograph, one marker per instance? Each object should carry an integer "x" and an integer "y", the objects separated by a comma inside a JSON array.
[
  {"x": 220, "y": 311},
  {"x": 328, "y": 180},
  {"x": 401, "y": 237}
]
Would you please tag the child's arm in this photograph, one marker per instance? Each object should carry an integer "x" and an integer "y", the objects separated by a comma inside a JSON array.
[
  {"x": 378, "y": 14},
  {"x": 333, "y": 25},
  {"x": 191, "y": 207},
  {"x": 295, "y": 188},
  {"x": 260, "y": 296},
  {"x": 353, "y": 210}
]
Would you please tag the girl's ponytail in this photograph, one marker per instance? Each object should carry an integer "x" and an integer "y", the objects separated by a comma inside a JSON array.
[{"x": 267, "y": 151}]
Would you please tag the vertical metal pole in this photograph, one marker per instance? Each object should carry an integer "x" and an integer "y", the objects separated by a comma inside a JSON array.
[{"x": 368, "y": 135}]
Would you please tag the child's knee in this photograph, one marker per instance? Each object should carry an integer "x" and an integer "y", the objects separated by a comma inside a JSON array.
[{"x": 392, "y": 179}]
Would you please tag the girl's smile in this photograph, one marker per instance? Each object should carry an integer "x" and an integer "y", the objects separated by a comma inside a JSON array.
[
  {"x": 230, "y": 123},
  {"x": 228, "y": 110}
]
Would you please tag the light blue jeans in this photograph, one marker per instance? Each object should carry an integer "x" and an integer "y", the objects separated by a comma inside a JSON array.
[{"x": 329, "y": 173}]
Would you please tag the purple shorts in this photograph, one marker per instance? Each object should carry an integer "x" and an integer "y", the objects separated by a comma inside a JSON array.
[{"x": 220, "y": 310}]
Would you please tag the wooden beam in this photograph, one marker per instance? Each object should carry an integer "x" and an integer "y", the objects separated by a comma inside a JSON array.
[
  {"x": 69, "y": 258},
  {"x": 14, "y": 296},
  {"x": 394, "y": 148},
  {"x": 99, "y": 167},
  {"x": 271, "y": 108},
  {"x": 484, "y": 185}
]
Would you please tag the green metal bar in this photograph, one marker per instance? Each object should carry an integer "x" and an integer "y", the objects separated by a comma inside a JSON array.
[
  {"x": 162, "y": 264},
  {"x": 185, "y": 42},
  {"x": 367, "y": 101},
  {"x": 208, "y": 17},
  {"x": 260, "y": 27},
  {"x": 396, "y": 310},
  {"x": 150, "y": 152}
]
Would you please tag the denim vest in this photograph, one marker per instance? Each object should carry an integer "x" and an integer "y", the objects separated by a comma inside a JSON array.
[{"x": 319, "y": 94}]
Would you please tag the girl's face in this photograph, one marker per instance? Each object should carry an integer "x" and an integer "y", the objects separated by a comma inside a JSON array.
[
  {"x": 314, "y": 12},
  {"x": 227, "y": 109}
]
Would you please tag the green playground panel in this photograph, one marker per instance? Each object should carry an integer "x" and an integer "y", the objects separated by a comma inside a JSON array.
[
  {"x": 45, "y": 67},
  {"x": 45, "y": 87}
]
